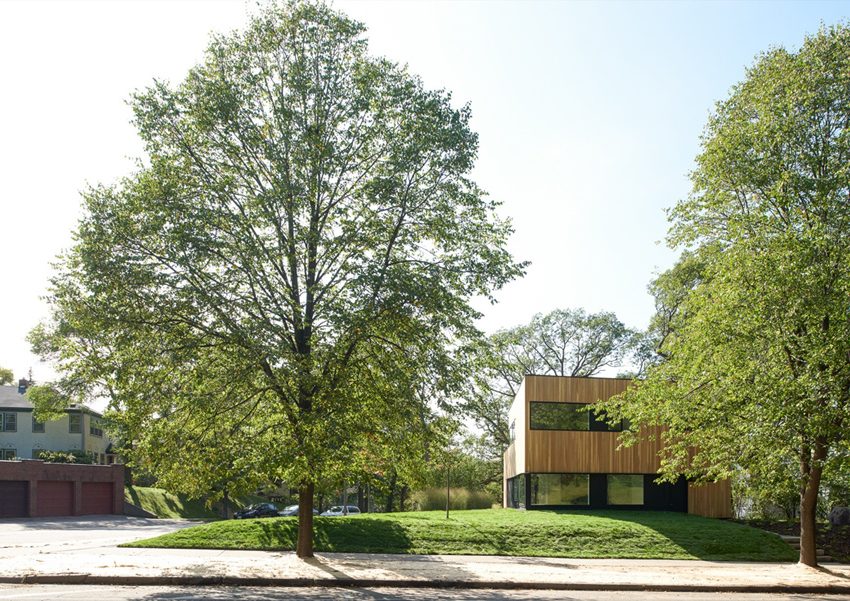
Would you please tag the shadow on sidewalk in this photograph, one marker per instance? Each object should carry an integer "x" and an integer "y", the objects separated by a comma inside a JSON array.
[{"x": 325, "y": 593}]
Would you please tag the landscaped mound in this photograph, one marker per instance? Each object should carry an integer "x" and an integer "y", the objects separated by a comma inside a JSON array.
[{"x": 612, "y": 534}]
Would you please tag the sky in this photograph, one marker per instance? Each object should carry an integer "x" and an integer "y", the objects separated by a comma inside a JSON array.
[{"x": 589, "y": 117}]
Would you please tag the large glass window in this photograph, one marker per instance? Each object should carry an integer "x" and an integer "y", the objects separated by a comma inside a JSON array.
[
  {"x": 560, "y": 489},
  {"x": 516, "y": 492},
  {"x": 8, "y": 454},
  {"x": 625, "y": 489},
  {"x": 559, "y": 416}
]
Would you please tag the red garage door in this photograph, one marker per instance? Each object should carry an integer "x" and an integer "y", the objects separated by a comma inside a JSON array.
[
  {"x": 13, "y": 499},
  {"x": 54, "y": 498},
  {"x": 97, "y": 497}
]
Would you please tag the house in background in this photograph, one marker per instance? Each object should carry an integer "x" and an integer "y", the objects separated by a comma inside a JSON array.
[
  {"x": 23, "y": 437},
  {"x": 561, "y": 456}
]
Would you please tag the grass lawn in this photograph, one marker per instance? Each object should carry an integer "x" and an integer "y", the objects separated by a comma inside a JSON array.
[
  {"x": 164, "y": 504},
  {"x": 613, "y": 534}
]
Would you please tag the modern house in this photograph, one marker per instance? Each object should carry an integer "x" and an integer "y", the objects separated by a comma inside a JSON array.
[
  {"x": 23, "y": 437},
  {"x": 562, "y": 456}
]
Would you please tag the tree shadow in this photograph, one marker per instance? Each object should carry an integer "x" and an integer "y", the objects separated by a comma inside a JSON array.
[{"x": 339, "y": 535}]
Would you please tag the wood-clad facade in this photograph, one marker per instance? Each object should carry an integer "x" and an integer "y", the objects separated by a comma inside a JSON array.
[{"x": 562, "y": 455}]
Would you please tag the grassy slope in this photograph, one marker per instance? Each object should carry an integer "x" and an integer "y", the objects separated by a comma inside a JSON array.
[
  {"x": 167, "y": 505},
  {"x": 620, "y": 534}
]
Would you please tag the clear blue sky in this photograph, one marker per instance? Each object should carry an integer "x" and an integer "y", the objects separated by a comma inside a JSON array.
[{"x": 589, "y": 117}]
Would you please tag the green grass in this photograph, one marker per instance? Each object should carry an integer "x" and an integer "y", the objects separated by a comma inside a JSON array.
[
  {"x": 611, "y": 534},
  {"x": 164, "y": 504}
]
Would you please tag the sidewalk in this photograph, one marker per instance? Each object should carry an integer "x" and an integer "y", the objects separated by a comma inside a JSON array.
[{"x": 113, "y": 565}]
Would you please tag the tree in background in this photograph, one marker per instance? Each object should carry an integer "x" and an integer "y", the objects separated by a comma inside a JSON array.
[
  {"x": 6, "y": 376},
  {"x": 565, "y": 342},
  {"x": 756, "y": 373},
  {"x": 293, "y": 261}
]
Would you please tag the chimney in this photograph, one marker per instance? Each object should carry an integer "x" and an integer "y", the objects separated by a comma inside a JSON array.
[{"x": 23, "y": 384}]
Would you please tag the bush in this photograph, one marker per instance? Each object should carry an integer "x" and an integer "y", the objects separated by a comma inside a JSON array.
[
  {"x": 460, "y": 498},
  {"x": 66, "y": 457}
]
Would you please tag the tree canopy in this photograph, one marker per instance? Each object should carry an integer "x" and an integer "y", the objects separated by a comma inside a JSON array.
[
  {"x": 281, "y": 290},
  {"x": 6, "y": 376},
  {"x": 565, "y": 342},
  {"x": 755, "y": 368}
]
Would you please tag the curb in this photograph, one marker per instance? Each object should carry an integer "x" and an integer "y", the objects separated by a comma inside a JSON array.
[{"x": 89, "y": 579}]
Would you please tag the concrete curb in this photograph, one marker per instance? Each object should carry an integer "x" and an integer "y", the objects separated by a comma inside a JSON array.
[{"x": 89, "y": 579}]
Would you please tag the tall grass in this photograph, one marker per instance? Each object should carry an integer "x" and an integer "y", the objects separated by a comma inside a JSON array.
[{"x": 459, "y": 498}]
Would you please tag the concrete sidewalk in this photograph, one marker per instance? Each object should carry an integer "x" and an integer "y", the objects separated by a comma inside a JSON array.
[{"x": 113, "y": 565}]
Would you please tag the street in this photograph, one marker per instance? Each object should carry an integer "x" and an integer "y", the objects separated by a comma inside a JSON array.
[{"x": 128, "y": 593}]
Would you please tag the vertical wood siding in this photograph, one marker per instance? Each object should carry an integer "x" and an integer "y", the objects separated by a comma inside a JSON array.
[{"x": 713, "y": 500}]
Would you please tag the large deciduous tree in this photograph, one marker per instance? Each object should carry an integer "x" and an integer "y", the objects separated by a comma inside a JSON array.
[
  {"x": 269, "y": 295},
  {"x": 565, "y": 342},
  {"x": 756, "y": 372}
]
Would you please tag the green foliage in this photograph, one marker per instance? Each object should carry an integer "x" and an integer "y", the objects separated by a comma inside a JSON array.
[
  {"x": 565, "y": 342},
  {"x": 613, "y": 534},
  {"x": 757, "y": 371},
  {"x": 471, "y": 466},
  {"x": 48, "y": 403},
  {"x": 434, "y": 499},
  {"x": 6, "y": 376},
  {"x": 66, "y": 457},
  {"x": 281, "y": 291}
]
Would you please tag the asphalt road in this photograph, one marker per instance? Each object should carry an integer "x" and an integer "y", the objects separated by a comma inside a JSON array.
[{"x": 128, "y": 593}]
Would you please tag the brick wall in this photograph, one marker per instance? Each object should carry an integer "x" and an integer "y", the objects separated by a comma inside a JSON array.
[{"x": 35, "y": 471}]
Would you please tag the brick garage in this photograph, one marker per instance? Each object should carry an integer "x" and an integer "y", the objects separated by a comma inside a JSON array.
[{"x": 32, "y": 488}]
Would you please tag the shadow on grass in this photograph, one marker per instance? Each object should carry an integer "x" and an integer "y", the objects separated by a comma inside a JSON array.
[
  {"x": 703, "y": 538},
  {"x": 339, "y": 534}
]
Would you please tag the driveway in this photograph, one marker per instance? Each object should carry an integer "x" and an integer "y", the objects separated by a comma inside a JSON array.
[{"x": 26, "y": 536}]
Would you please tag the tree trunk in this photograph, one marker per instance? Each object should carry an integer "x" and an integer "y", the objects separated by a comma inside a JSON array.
[
  {"x": 402, "y": 497},
  {"x": 391, "y": 493},
  {"x": 226, "y": 503},
  {"x": 811, "y": 469},
  {"x": 304, "y": 547},
  {"x": 360, "y": 499}
]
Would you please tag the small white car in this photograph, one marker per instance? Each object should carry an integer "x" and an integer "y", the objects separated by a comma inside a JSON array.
[{"x": 342, "y": 510}]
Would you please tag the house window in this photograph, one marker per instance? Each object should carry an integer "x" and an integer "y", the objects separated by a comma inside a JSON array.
[
  {"x": 8, "y": 454},
  {"x": 9, "y": 422},
  {"x": 75, "y": 423},
  {"x": 516, "y": 492},
  {"x": 598, "y": 423},
  {"x": 513, "y": 430},
  {"x": 625, "y": 489},
  {"x": 559, "y": 416},
  {"x": 37, "y": 426},
  {"x": 95, "y": 429},
  {"x": 560, "y": 489}
]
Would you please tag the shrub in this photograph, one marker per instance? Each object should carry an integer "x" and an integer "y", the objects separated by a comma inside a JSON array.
[{"x": 66, "y": 457}]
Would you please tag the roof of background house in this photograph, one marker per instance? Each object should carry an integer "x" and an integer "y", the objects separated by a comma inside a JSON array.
[{"x": 10, "y": 398}]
